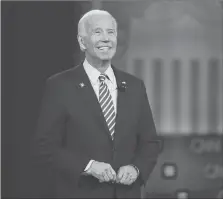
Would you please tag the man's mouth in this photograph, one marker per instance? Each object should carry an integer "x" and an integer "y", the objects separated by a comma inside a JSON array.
[{"x": 104, "y": 48}]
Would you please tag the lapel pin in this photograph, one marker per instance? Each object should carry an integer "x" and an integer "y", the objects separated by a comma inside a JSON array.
[
  {"x": 82, "y": 85},
  {"x": 123, "y": 86}
]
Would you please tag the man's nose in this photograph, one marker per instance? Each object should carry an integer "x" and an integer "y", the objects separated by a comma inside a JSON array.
[{"x": 105, "y": 37}]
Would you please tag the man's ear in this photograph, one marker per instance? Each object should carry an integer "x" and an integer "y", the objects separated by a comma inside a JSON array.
[{"x": 81, "y": 43}]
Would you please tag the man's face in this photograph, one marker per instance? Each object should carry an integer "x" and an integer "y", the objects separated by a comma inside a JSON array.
[{"x": 101, "y": 39}]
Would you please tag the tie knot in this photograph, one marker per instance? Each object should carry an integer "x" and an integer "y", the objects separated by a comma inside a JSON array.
[{"x": 102, "y": 77}]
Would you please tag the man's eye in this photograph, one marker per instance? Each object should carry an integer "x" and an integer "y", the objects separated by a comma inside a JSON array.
[
  {"x": 111, "y": 32},
  {"x": 97, "y": 31}
]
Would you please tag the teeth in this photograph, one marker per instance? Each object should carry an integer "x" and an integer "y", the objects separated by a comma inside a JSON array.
[{"x": 103, "y": 48}]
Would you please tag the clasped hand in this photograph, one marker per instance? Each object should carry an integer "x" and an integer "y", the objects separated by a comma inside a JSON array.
[{"x": 105, "y": 173}]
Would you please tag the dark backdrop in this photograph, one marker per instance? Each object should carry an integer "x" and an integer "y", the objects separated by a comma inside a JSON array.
[{"x": 38, "y": 40}]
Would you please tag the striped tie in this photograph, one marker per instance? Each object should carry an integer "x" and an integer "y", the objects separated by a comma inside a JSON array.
[{"x": 107, "y": 106}]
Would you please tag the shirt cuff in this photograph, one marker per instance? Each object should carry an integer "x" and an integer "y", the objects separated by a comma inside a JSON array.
[
  {"x": 88, "y": 165},
  {"x": 136, "y": 168}
]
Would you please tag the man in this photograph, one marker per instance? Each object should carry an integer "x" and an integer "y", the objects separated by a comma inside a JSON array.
[{"x": 95, "y": 132}]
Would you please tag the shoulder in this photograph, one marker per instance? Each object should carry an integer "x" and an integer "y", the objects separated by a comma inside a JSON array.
[
  {"x": 129, "y": 78},
  {"x": 61, "y": 80},
  {"x": 63, "y": 75}
]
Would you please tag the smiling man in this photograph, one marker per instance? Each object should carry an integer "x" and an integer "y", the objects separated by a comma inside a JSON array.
[
  {"x": 96, "y": 131},
  {"x": 97, "y": 36}
]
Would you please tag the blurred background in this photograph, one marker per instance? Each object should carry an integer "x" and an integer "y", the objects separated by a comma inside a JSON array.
[{"x": 175, "y": 46}]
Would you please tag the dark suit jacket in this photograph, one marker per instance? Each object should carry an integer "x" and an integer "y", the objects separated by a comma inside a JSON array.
[{"x": 72, "y": 131}]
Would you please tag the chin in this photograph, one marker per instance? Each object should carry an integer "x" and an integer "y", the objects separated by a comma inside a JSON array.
[{"x": 106, "y": 57}]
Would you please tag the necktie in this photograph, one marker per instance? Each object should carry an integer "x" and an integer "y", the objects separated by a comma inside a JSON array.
[{"x": 107, "y": 106}]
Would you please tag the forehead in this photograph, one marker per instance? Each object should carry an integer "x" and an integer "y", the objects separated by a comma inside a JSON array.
[{"x": 101, "y": 21}]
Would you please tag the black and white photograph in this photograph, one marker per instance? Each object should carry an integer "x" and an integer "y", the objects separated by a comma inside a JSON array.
[{"x": 112, "y": 99}]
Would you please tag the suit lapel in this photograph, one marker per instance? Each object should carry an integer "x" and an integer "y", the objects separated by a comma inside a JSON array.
[
  {"x": 122, "y": 103},
  {"x": 89, "y": 98}
]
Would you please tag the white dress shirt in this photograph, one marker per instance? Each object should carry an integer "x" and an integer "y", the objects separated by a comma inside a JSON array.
[{"x": 93, "y": 75}]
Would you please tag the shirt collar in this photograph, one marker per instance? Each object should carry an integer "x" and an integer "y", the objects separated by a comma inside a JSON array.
[{"x": 93, "y": 73}]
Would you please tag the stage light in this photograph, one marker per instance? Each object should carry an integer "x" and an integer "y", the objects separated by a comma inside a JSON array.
[
  {"x": 182, "y": 194},
  {"x": 169, "y": 171}
]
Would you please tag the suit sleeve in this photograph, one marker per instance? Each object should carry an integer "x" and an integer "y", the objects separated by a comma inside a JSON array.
[
  {"x": 148, "y": 145},
  {"x": 51, "y": 129}
]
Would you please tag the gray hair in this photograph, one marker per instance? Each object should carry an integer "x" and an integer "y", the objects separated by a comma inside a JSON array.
[{"x": 85, "y": 19}]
